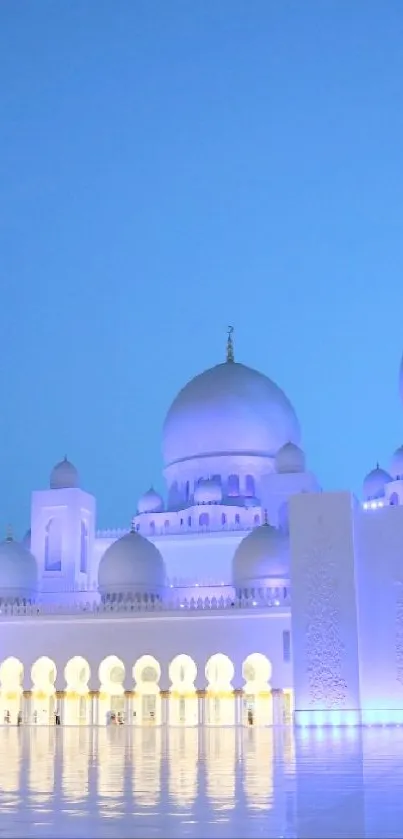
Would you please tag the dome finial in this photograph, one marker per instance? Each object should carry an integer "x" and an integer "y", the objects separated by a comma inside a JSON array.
[
  {"x": 132, "y": 526},
  {"x": 265, "y": 517},
  {"x": 230, "y": 344},
  {"x": 9, "y": 533}
]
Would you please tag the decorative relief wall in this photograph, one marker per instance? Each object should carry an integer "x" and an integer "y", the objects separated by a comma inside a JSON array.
[
  {"x": 399, "y": 632},
  {"x": 324, "y": 646}
]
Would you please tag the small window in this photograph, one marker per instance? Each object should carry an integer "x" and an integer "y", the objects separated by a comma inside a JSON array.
[
  {"x": 181, "y": 522},
  {"x": 204, "y": 520},
  {"x": 152, "y": 526},
  {"x": 189, "y": 521},
  {"x": 223, "y": 519},
  {"x": 286, "y": 645},
  {"x": 237, "y": 519},
  {"x": 53, "y": 545},
  {"x": 174, "y": 495},
  {"x": 249, "y": 485},
  {"x": 166, "y": 524},
  {"x": 84, "y": 548},
  {"x": 394, "y": 499},
  {"x": 256, "y": 519},
  {"x": 233, "y": 485},
  {"x": 283, "y": 517}
]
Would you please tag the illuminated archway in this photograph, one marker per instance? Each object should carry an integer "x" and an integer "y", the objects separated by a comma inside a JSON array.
[
  {"x": 111, "y": 702},
  {"x": 147, "y": 709},
  {"x": 257, "y": 697},
  {"x": 43, "y": 702},
  {"x": 220, "y": 700},
  {"x": 11, "y": 677},
  {"x": 183, "y": 702},
  {"x": 77, "y": 704}
]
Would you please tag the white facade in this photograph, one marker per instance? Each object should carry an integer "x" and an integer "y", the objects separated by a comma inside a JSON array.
[
  {"x": 248, "y": 583},
  {"x": 199, "y": 635}
]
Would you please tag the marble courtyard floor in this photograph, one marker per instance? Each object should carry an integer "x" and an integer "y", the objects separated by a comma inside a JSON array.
[{"x": 217, "y": 782}]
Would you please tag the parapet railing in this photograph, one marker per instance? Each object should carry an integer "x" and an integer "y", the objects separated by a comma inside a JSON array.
[
  {"x": 176, "y": 529},
  {"x": 133, "y": 607}
]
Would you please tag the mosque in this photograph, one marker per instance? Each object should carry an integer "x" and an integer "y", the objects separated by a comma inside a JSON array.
[{"x": 248, "y": 597}]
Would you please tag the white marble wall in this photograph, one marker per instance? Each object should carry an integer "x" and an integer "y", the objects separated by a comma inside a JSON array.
[
  {"x": 236, "y": 634},
  {"x": 379, "y": 569},
  {"x": 324, "y": 618}
]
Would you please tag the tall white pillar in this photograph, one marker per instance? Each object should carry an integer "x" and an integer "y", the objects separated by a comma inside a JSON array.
[{"x": 324, "y": 612}]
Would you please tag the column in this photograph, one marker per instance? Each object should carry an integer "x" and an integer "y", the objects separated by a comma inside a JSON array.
[{"x": 323, "y": 607}]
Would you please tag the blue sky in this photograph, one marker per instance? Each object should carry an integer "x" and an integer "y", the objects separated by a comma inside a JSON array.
[{"x": 167, "y": 169}]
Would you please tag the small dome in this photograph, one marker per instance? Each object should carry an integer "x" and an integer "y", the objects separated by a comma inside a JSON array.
[
  {"x": 150, "y": 502},
  {"x": 396, "y": 469},
  {"x": 375, "y": 482},
  {"x": 64, "y": 476},
  {"x": 289, "y": 459},
  {"x": 208, "y": 491},
  {"x": 131, "y": 566},
  {"x": 261, "y": 555},
  {"x": 18, "y": 572}
]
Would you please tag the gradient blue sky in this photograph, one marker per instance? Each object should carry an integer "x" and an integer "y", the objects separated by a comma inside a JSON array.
[{"x": 167, "y": 168}]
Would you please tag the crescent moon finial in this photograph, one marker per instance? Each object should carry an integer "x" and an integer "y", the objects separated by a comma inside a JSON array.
[{"x": 230, "y": 344}]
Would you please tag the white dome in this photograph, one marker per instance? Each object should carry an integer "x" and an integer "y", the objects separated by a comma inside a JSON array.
[
  {"x": 229, "y": 409},
  {"x": 18, "y": 572},
  {"x": 131, "y": 566},
  {"x": 290, "y": 459},
  {"x": 375, "y": 482},
  {"x": 64, "y": 476},
  {"x": 150, "y": 502},
  {"x": 261, "y": 555},
  {"x": 396, "y": 469},
  {"x": 208, "y": 491}
]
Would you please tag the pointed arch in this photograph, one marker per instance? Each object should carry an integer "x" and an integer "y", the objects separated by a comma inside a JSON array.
[
  {"x": 53, "y": 545},
  {"x": 83, "y": 547},
  {"x": 183, "y": 702},
  {"x": 147, "y": 706}
]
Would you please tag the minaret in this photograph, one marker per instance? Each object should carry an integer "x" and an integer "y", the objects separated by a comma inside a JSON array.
[
  {"x": 230, "y": 345},
  {"x": 9, "y": 533}
]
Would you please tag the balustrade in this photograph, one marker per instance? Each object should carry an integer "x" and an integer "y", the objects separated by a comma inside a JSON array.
[{"x": 270, "y": 600}]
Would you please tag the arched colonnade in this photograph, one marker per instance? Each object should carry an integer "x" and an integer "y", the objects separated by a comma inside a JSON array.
[{"x": 145, "y": 703}]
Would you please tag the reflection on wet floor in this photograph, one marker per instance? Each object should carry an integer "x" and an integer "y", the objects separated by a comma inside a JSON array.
[{"x": 210, "y": 782}]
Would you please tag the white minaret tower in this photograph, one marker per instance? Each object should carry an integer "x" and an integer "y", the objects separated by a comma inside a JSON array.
[{"x": 62, "y": 536}]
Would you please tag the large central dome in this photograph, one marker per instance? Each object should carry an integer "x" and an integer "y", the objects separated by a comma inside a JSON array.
[{"x": 228, "y": 409}]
